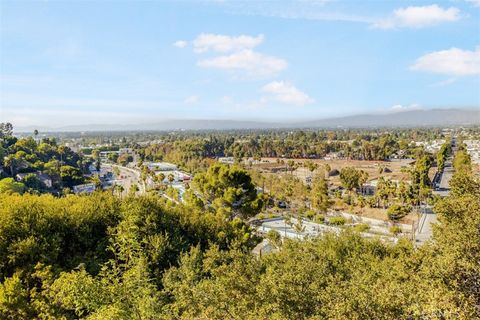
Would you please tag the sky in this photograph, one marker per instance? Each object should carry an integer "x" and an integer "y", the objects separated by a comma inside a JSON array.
[{"x": 123, "y": 62}]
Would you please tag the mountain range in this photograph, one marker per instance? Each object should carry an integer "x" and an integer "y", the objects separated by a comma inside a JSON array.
[{"x": 410, "y": 118}]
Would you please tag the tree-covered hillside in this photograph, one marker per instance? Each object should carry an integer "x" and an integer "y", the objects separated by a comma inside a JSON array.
[
  {"x": 146, "y": 256},
  {"x": 39, "y": 164},
  {"x": 101, "y": 257}
]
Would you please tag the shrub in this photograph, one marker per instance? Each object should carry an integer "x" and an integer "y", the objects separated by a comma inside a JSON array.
[
  {"x": 302, "y": 210},
  {"x": 337, "y": 221},
  {"x": 361, "y": 227},
  {"x": 397, "y": 211},
  {"x": 319, "y": 218},
  {"x": 310, "y": 214},
  {"x": 9, "y": 185},
  {"x": 274, "y": 237},
  {"x": 395, "y": 230},
  {"x": 348, "y": 199}
]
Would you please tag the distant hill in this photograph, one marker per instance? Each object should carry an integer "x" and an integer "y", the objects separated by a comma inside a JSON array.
[
  {"x": 412, "y": 118},
  {"x": 166, "y": 125}
]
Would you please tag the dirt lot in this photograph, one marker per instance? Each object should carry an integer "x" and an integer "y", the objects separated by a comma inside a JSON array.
[
  {"x": 375, "y": 213},
  {"x": 371, "y": 167}
]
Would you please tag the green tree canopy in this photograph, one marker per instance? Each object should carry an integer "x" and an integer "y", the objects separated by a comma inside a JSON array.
[
  {"x": 31, "y": 181},
  {"x": 9, "y": 185},
  {"x": 319, "y": 193},
  {"x": 229, "y": 187},
  {"x": 397, "y": 211},
  {"x": 352, "y": 178},
  {"x": 70, "y": 176}
]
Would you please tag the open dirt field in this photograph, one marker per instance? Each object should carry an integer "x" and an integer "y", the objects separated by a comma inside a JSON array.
[
  {"x": 371, "y": 167},
  {"x": 394, "y": 172},
  {"x": 375, "y": 213}
]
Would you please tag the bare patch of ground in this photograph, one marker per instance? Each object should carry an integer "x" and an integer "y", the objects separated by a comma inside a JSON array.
[
  {"x": 373, "y": 168},
  {"x": 375, "y": 213}
]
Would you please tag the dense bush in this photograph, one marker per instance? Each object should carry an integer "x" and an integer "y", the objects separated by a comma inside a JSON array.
[
  {"x": 61, "y": 232},
  {"x": 361, "y": 227},
  {"x": 100, "y": 257},
  {"x": 397, "y": 211},
  {"x": 319, "y": 218},
  {"x": 395, "y": 230},
  {"x": 337, "y": 221}
]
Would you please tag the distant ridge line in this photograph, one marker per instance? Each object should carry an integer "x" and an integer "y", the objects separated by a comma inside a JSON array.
[{"x": 410, "y": 118}]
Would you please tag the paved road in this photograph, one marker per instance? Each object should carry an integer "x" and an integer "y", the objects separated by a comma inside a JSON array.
[
  {"x": 446, "y": 177},
  {"x": 424, "y": 230},
  {"x": 130, "y": 177},
  {"x": 444, "y": 186}
]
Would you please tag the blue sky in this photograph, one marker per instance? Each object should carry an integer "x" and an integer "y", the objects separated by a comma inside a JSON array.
[{"x": 85, "y": 62}]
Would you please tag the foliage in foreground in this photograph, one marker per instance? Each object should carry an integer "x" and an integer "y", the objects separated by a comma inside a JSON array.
[{"x": 99, "y": 257}]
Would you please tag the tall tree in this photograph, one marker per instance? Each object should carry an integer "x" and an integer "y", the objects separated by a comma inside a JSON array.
[
  {"x": 319, "y": 194},
  {"x": 352, "y": 178},
  {"x": 230, "y": 187}
]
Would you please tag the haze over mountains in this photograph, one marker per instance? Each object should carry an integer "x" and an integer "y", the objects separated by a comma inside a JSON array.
[{"x": 411, "y": 118}]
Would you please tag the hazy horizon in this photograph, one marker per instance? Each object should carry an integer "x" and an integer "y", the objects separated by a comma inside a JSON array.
[{"x": 403, "y": 118}]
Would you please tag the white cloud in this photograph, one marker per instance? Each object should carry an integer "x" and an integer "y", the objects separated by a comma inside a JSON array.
[
  {"x": 221, "y": 43},
  {"x": 452, "y": 62},
  {"x": 475, "y": 3},
  {"x": 180, "y": 44},
  {"x": 248, "y": 61},
  {"x": 286, "y": 93},
  {"x": 237, "y": 55},
  {"x": 418, "y": 17},
  {"x": 399, "y": 107},
  {"x": 191, "y": 99}
]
